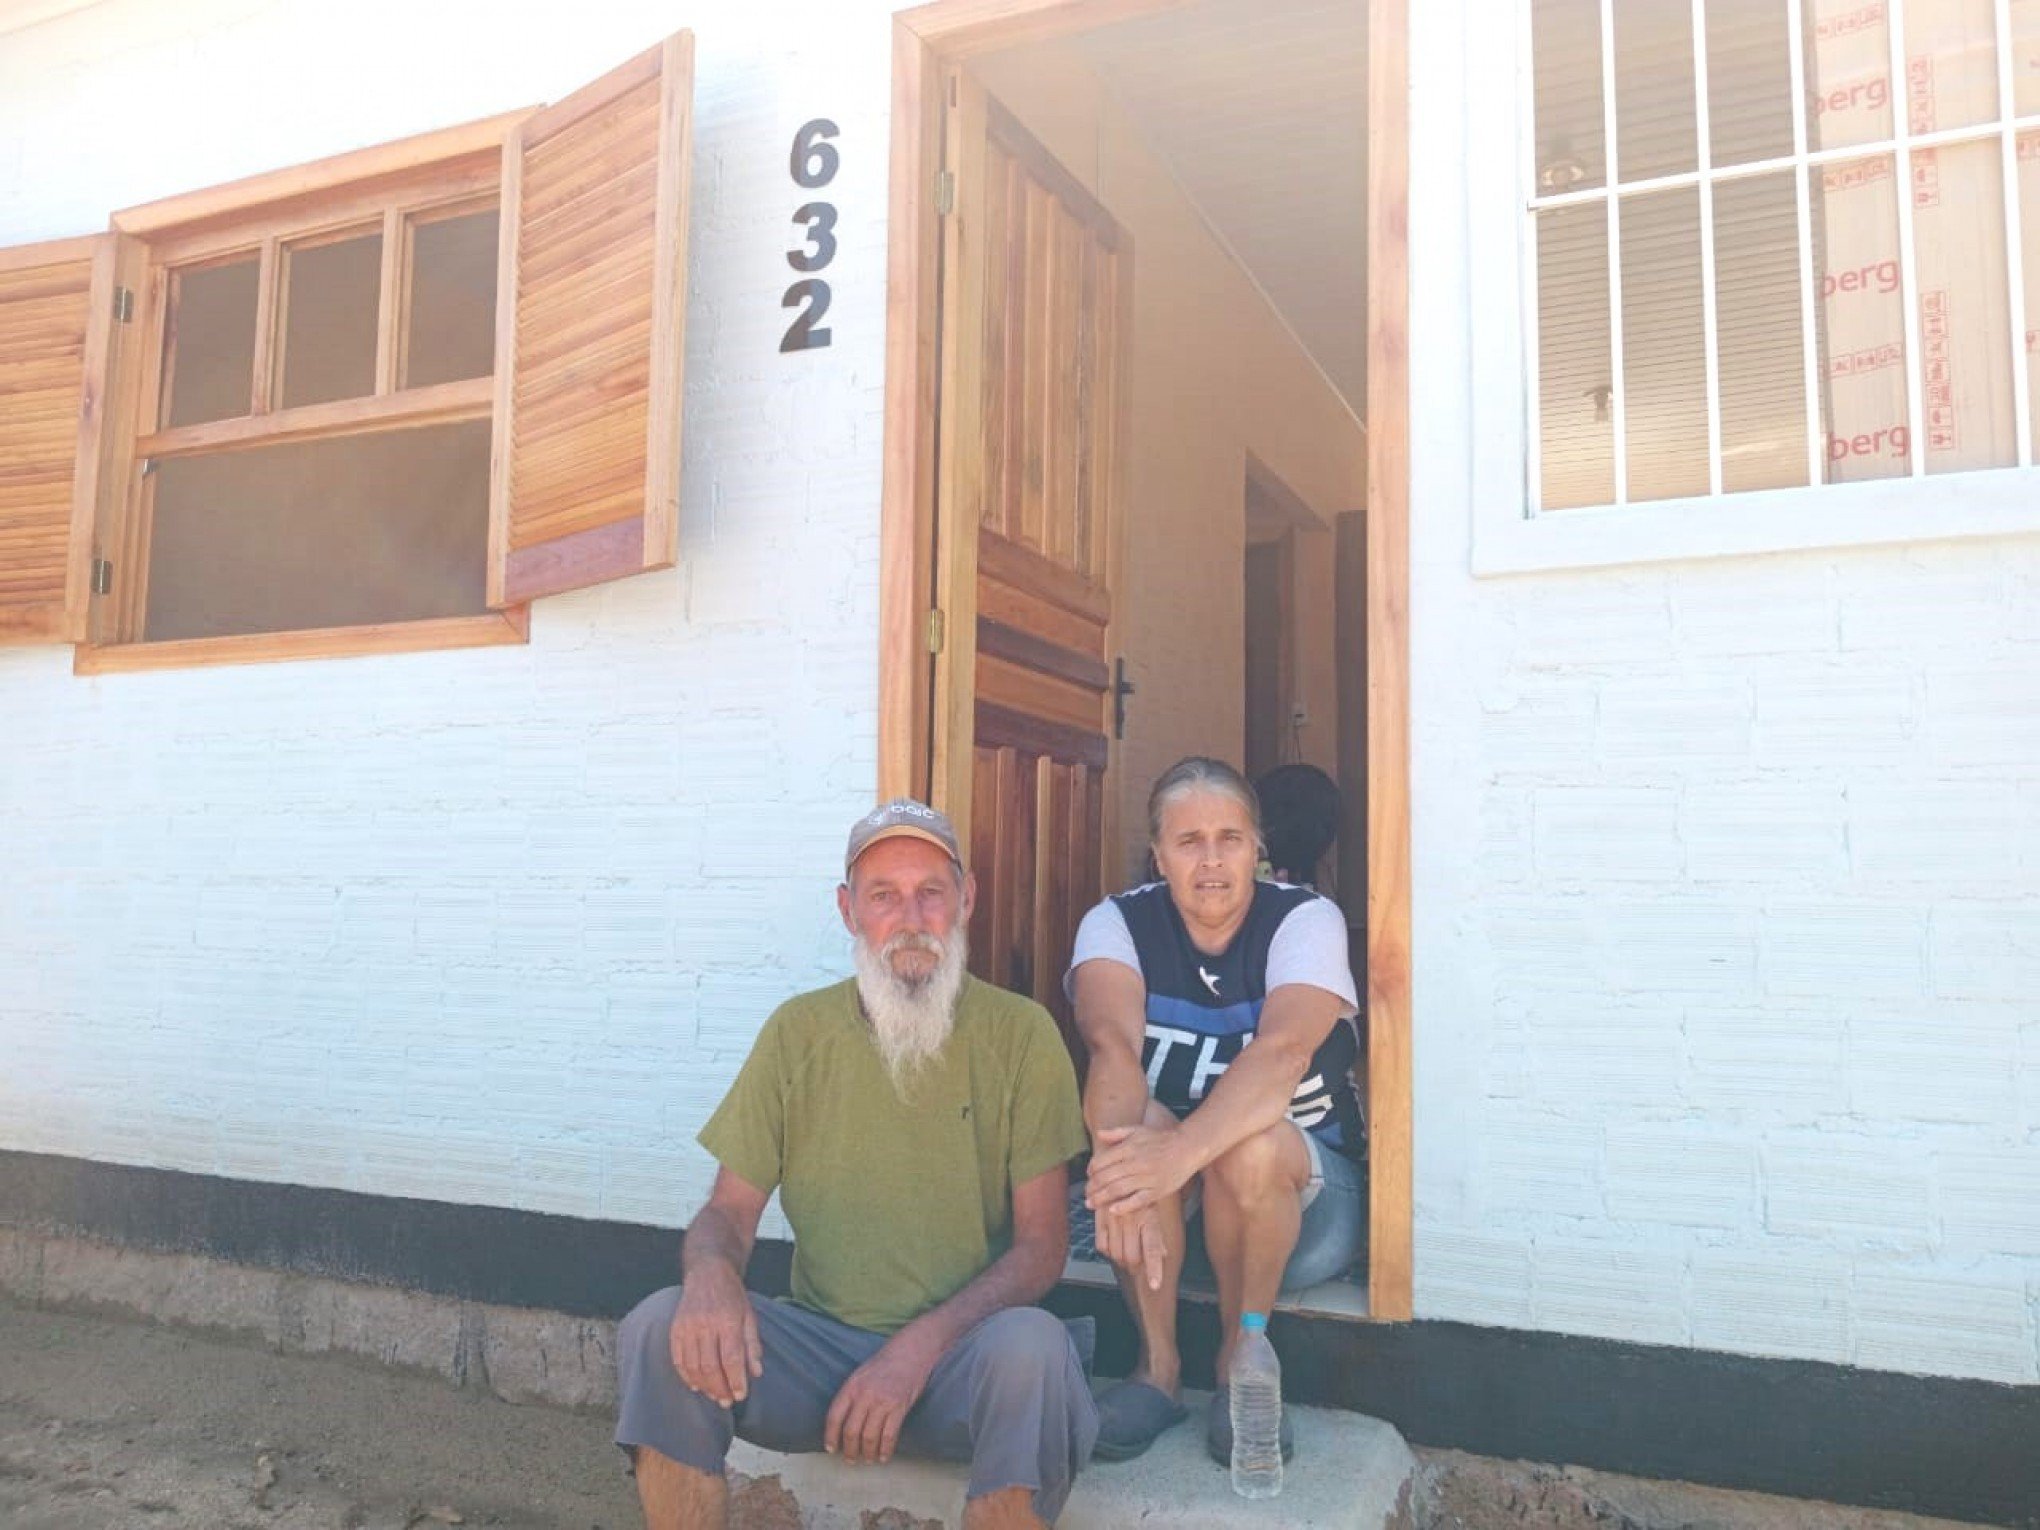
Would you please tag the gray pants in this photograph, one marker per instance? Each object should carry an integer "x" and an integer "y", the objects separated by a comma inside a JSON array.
[{"x": 1010, "y": 1397}]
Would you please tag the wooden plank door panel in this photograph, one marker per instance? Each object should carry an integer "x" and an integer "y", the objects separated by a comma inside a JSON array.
[{"x": 1031, "y": 322}]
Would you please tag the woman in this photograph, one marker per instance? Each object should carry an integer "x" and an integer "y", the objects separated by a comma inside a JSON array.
[{"x": 1263, "y": 1143}]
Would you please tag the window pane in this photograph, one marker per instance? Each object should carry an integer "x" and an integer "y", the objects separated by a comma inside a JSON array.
[
  {"x": 453, "y": 300},
  {"x": 1758, "y": 318},
  {"x": 1965, "y": 334},
  {"x": 1848, "y": 72},
  {"x": 2029, "y": 229},
  {"x": 1861, "y": 320},
  {"x": 1951, "y": 63},
  {"x": 2026, "y": 56},
  {"x": 1577, "y": 436},
  {"x": 377, "y": 528},
  {"x": 209, "y": 363},
  {"x": 1571, "y": 142},
  {"x": 1655, "y": 121},
  {"x": 329, "y": 331},
  {"x": 1664, "y": 356},
  {"x": 1749, "y": 80}
]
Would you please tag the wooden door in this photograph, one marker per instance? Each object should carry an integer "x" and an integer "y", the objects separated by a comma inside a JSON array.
[{"x": 1033, "y": 296}]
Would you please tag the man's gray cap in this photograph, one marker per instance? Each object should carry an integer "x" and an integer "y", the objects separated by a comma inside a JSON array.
[{"x": 901, "y": 817}]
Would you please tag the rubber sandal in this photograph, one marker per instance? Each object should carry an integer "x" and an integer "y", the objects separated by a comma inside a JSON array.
[
  {"x": 1131, "y": 1416},
  {"x": 1218, "y": 1430}
]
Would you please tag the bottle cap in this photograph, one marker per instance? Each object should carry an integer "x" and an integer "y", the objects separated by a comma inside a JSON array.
[{"x": 1254, "y": 1322}]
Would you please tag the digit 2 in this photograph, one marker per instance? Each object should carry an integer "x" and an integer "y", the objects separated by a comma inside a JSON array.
[{"x": 805, "y": 333}]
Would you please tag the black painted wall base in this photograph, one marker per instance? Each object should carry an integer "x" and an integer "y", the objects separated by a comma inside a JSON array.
[{"x": 1930, "y": 1445}]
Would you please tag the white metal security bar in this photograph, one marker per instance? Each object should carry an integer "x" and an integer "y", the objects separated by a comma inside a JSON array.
[{"x": 1900, "y": 146}]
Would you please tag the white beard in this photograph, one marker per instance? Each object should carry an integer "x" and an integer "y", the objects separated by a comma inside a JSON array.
[{"x": 910, "y": 1019}]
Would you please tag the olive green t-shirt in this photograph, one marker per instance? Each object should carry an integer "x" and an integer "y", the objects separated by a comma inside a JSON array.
[{"x": 897, "y": 1204}]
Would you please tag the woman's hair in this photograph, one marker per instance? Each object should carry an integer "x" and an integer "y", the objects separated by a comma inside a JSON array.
[{"x": 1200, "y": 773}]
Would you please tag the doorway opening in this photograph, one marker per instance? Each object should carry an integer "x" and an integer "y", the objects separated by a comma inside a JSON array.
[{"x": 1142, "y": 341}]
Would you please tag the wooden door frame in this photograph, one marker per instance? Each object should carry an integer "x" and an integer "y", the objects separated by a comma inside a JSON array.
[{"x": 924, "y": 39}]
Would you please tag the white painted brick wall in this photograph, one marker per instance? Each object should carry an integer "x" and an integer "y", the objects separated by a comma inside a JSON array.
[
  {"x": 1476, "y": 1278},
  {"x": 493, "y": 926},
  {"x": 1687, "y": 1173},
  {"x": 1991, "y": 1199},
  {"x": 1726, "y": 929},
  {"x": 1848, "y": 1189},
  {"x": 1783, "y": 1299},
  {"x": 1775, "y": 1063},
  {"x": 1971, "y": 1323},
  {"x": 1749, "y": 830},
  {"x": 1843, "y": 948},
  {"x": 1589, "y": 1286},
  {"x": 1727, "y": 907},
  {"x": 1986, "y": 950},
  {"x": 1626, "y": 833},
  {"x": 1954, "y": 1063}
]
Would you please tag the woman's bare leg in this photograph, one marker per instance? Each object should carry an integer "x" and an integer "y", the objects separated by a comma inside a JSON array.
[{"x": 1253, "y": 1210}]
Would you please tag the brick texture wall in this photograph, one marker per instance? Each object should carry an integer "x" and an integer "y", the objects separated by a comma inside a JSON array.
[
  {"x": 1726, "y": 934},
  {"x": 1738, "y": 880},
  {"x": 494, "y": 926},
  {"x": 1727, "y": 916}
]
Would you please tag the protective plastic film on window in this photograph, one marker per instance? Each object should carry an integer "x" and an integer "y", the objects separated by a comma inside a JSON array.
[
  {"x": 1664, "y": 364},
  {"x": 1761, "y": 316},
  {"x": 1572, "y": 147},
  {"x": 1859, "y": 314},
  {"x": 1575, "y": 396},
  {"x": 1781, "y": 286}
]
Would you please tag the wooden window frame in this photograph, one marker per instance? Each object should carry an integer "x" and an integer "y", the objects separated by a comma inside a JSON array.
[
  {"x": 390, "y": 187},
  {"x": 924, "y": 40}
]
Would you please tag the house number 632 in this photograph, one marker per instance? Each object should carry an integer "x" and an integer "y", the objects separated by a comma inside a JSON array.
[{"x": 813, "y": 164}]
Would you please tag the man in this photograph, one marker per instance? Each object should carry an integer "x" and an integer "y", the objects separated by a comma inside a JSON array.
[{"x": 918, "y": 1125}]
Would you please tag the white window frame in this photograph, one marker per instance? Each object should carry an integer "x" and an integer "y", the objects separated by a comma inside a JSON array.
[{"x": 1508, "y": 537}]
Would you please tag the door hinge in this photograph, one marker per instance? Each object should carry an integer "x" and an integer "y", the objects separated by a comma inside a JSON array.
[
  {"x": 148, "y": 466},
  {"x": 102, "y": 577},
  {"x": 123, "y": 305},
  {"x": 945, "y": 193},
  {"x": 935, "y": 630}
]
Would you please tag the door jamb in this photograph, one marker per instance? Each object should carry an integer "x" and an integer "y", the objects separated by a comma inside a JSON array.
[{"x": 923, "y": 39}]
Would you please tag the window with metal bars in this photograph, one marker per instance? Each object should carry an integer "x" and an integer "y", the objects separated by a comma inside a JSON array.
[{"x": 1726, "y": 289}]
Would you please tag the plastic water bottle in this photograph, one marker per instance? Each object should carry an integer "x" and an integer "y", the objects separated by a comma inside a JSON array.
[{"x": 1256, "y": 1399}]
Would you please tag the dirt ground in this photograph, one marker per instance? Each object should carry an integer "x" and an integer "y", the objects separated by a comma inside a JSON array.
[
  {"x": 1462, "y": 1492},
  {"x": 111, "y": 1425},
  {"x": 108, "y": 1425}
]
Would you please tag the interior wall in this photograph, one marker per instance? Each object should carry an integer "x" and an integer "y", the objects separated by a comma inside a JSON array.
[{"x": 1215, "y": 376}]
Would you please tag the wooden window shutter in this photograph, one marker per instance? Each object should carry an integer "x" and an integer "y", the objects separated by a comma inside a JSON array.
[
  {"x": 585, "y": 477},
  {"x": 57, "y": 320}
]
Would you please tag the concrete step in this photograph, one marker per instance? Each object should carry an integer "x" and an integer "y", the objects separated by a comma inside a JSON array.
[{"x": 1349, "y": 1473}]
